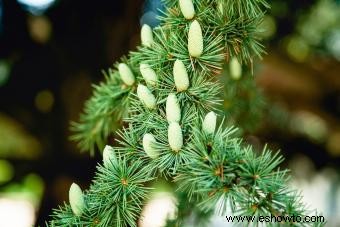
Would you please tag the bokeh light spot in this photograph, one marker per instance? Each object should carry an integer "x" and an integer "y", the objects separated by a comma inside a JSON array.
[
  {"x": 150, "y": 19},
  {"x": 311, "y": 125},
  {"x": 333, "y": 44},
  {"x": 161, "y": 207},
  {"x": 16, "y": 213},
  {"x": 6, "y": 171},
  {"x": 39, "y": 28},
  {"x": 268, "y": 27},
  {"x": 44, "y": 101},
  {"x": 4, "y": 72},
  {"x": 297, "y": 49},
  {"x": 152, "y": 9},
  {"x": 333, "y": 144},
  {"x": 36, "y": 7}
]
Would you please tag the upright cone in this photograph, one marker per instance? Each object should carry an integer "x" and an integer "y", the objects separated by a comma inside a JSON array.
[
  {"x": 209, "y": 123},
  {"x": 126, "y": 74},
  {"x": 146, "y": 97},
  {"x": 76, "y": 198},
  {"x": 173, "y": 110},
  {"x": 146, "y": 35},
  {"x": 108, "y": 156},
  {"x": 235, "y": 69},
  {"x": 149, "y": 145},
  {"x": 187, "y": 8},
  {"x": 148, "y": 74},
  {"x": 180, "y": 76},
  {"x": 195, "y": 40},
  {"x": 175, "y": 136}
]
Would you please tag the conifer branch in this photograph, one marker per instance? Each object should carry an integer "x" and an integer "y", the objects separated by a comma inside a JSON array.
[{"x": 167, "y": 92}]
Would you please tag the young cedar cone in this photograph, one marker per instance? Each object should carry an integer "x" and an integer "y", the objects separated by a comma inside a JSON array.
[
  {"x": 235, "y": 69},
  {"x": 76, "y": 198},
  {"x": 148, "y": 145},
  {"x": 195, "y": 40},
  {"x": 146, "y": 35},
  {"x": 175, "y": 136},
  {"x": 108, "y": 156},
  {"x": 146, "y": 97},
  {"x": 187, "y": 8},
  {"x": 173, "y": 110},
  {"x": 148, "y": 74},
  {"x": 180, "y": 76},
  {"x": 126, "y": 74},
  {"x": 209, "y": 123}
]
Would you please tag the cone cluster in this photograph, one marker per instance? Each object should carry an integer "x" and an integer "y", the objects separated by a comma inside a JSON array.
[{"x": 181, "y": 80}]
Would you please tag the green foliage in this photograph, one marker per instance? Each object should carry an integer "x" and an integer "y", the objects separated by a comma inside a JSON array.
[
  {"x": 210, "y": 170},
  {"x": 115, "y": 197},
  {"x": 107, "y": 105},
  {"x": 243, "y": 102},
  {"x": 225, "y": 35}
]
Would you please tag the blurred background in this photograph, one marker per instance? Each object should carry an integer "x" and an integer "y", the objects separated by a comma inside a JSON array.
[{"x": 52, "y": 50}]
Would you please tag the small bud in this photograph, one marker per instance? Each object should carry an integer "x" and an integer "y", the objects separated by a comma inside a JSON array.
[
  {"x": 126, "y": 74},
  {"x": 108, "y": 156},
  {"x": 235, "y": 69},
  {"x": 175, "y": 136},
  {"x": 195, "y": 40},
  {"x": 146, "y": 97},
  {"x": 148, "y": 74},
  {"x": 146, "y": 35},
  {"x": 76, "y": 199},
  {"x": 173, "y": 110},
  {"x": 187, "y": 8},
  {"x": 148, "y": 145},
  {"x": 209, "y": 123},
  {"x": 180, "y": 76}
]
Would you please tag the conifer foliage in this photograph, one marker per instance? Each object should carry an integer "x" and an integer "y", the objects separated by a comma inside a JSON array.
[{"x": 168, "y": 95}]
